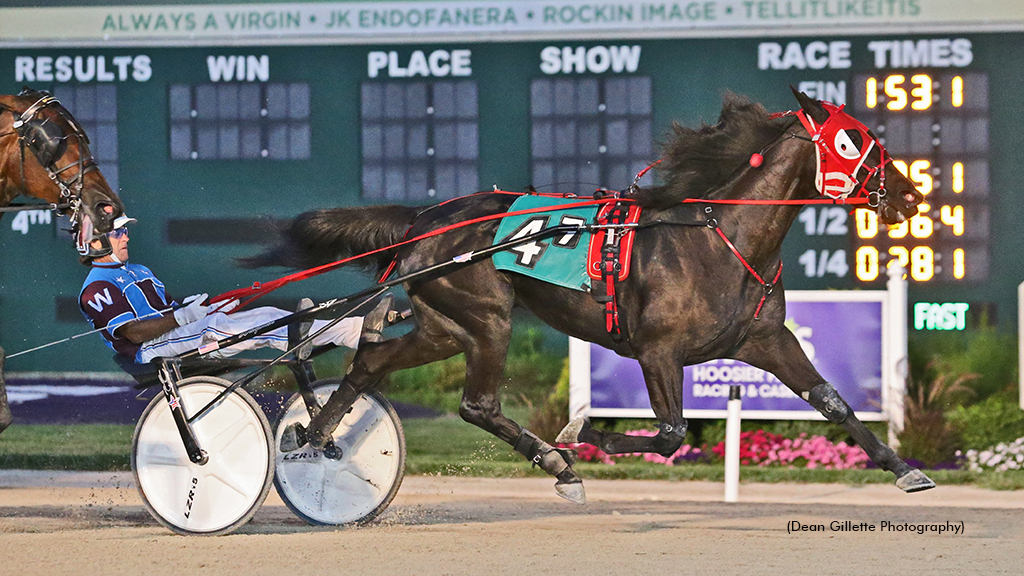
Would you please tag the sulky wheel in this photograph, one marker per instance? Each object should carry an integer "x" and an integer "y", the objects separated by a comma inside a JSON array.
[
  {"x": 358, "y": 479},
  {"x": 222, "y": 494}
]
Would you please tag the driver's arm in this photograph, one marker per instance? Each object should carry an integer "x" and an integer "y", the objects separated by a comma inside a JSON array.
[{"x": 139, "y": 331}]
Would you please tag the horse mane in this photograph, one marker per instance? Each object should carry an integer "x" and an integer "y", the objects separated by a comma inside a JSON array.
[{"x": 698, "y": 160}]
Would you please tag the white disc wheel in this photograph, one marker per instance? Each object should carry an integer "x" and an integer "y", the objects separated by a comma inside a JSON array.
[
  {"x": 224, "y": 493},
  {"x": 355, "y": 485}
]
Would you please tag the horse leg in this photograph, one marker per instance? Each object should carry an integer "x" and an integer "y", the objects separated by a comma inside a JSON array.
[
  {"x": 371, "y": 363},
  {"x": 663, "y": 374},
  {"x": 781, "y": 355},
  {"x": 5, "y": 407},
  {"x": 486, "y": 350}
]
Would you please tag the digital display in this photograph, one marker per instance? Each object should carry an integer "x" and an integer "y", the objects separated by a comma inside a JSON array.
[{"x": 935, "y": 126}]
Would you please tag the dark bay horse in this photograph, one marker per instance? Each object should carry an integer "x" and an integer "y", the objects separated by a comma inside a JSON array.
[
  {"x": 688, "y": 299},
  {"x": 45, "y": 154}
]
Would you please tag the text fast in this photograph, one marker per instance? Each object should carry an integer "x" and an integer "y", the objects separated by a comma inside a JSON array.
[{"x": 945, "y": 316}]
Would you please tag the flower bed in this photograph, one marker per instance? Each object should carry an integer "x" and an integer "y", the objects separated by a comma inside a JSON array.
[
  {"x": 1002, "y": 457},
  {"x": 767, "y": 449}
]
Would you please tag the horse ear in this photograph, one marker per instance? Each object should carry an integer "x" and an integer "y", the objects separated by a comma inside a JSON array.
[{"x": 811, "y": 107}]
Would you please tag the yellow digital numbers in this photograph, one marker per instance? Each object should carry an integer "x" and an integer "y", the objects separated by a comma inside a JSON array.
[
  {"x": 956, "y": 92},
  {"x": 953, "y": 216},
  {"x": 921, "y": 226},
  {"x": 918, "y": 172},
  {"x": 916, "y": 92},
  {"x": 867, "y": 263},
  {"x": 893, "y": 87},
  {"x": 921, "y": 92},
  {"x": 867, "y": 223},
  {"x": 871, "y": 93},
  {"x": 912, "y": 243},
  {"x": 922, "y": 263},
  {"x": 919, "y": 98}
]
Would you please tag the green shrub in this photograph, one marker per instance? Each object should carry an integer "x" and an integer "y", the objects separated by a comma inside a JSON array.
[
  {"x": 531, "y": 373},
  {"x": 996, "y": 419},
  {"x": 927, "y": 435},
  {"x": 984, "y": 352},
  {"x": 548, "y": 419},
  {"x": 437, "y": 385}
]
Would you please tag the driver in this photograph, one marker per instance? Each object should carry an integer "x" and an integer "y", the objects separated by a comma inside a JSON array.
[{"x": 141, "y": 321}]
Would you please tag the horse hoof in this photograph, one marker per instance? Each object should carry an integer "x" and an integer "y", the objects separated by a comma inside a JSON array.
[
  {"x": 293, "y": 437},
  {"x": 914, "y": 481},
  {"x": 570, "y": 434},
  {"x": 573, "y": 492}
]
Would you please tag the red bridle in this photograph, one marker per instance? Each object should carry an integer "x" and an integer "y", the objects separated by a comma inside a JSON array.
[{"x": 839, "y": 160}]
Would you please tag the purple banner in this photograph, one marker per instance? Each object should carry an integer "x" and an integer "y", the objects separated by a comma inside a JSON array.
[{"x": 842, "y": 339}]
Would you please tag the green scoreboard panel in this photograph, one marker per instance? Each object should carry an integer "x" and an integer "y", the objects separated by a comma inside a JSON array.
[{"x": 476, "y": 114}]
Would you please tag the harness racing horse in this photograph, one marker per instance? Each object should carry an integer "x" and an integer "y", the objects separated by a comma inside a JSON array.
[
  {"x": 688, "y": 299},
  {"x": 45, "y": 154}
]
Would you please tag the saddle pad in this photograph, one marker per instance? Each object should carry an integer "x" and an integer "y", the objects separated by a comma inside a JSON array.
[
  {"x": 625, "y": 243},
  {"x": 560, "y": 260}
]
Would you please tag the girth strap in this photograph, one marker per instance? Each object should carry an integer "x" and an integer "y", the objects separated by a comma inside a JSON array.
[{"x": 611, "y": 265}]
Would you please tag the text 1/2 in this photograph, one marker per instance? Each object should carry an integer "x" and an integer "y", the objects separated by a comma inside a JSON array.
[{"x": 825, "y": 221}]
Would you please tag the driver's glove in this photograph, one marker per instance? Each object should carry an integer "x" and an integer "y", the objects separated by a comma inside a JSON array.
[{"x": 192, "y": 309}]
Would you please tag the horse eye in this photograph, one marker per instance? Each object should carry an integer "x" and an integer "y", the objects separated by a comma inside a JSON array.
[{"x": 845, "y": 146}]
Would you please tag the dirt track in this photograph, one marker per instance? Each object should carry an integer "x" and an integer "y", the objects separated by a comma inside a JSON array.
[{"x": 95, "y": 524}]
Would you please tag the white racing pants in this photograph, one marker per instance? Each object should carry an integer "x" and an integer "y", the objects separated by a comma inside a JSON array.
[{"x": 218, "y": 326}]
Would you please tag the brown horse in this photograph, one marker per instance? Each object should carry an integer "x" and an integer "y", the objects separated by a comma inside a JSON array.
[
  {"x": 45, "y": 154},
  {"x": 688, "y": 299}
]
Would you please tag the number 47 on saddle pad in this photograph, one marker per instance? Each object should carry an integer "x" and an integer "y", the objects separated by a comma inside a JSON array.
[{"x": 570, "y": 260}]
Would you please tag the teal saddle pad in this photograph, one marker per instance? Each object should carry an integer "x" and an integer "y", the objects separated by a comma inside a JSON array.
[{"x": 560, "y": 259}]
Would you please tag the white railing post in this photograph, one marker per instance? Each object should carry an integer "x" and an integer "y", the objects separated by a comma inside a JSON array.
[
  {"x": 732, "y": 445},
  {"x": 1020, "y": 342},
  {"x": 897, "y": 367},
  {"x": 579, "y": 377}
]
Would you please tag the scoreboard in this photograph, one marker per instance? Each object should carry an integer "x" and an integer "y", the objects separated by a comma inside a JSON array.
[
  {"x": 939, "y": 120},
  {"x": 936, "y": 126}
]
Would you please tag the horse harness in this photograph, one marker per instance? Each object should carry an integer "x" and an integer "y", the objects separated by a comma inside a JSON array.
[
  {"x": 47, "y": 141},
  {"x": 708, "y": 220},
  {"x": 608, "y": 258}
]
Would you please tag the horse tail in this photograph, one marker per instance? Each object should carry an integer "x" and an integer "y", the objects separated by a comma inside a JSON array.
[{"x": 324, "y": 236}]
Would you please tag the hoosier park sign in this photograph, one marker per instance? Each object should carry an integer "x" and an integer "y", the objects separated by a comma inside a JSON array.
[{"x": 855, "y": 339}]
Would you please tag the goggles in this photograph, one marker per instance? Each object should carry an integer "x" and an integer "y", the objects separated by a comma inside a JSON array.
[{"x": 843, "y": 145}]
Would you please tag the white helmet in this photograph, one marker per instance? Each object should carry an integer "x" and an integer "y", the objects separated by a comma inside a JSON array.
[{"x": 123, "y": 220}]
